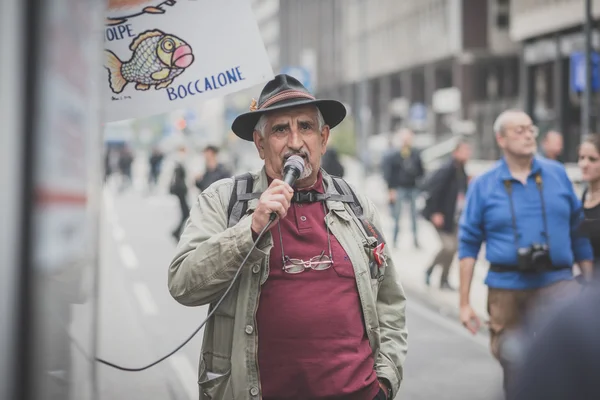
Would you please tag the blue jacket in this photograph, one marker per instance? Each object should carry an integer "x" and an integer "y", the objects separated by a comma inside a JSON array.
[{"x": 487, "y": 217}]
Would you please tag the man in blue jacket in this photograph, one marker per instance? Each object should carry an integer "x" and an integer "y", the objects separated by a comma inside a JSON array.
[{"x": 527, "y": 212}]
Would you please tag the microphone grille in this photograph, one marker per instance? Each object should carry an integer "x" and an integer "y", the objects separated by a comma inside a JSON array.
[{"x": 295, "y": 161}]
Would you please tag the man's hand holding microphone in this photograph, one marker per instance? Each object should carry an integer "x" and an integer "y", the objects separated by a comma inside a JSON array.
[{"x": 275, "y": 202}]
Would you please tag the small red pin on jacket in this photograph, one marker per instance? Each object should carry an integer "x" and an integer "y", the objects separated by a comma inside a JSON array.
[{"x": 378, "y": 254}]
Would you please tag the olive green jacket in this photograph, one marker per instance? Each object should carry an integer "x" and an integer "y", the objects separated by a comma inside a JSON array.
[{"x": 207, "y": 258}]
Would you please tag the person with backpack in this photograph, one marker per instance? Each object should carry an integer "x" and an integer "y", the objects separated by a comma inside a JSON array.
[
  {"x": 317, "y": 310},
  {"x": 446, "y": 193}
]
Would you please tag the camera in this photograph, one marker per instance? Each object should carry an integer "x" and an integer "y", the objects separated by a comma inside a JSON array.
[{"x": 535, "y": 258}]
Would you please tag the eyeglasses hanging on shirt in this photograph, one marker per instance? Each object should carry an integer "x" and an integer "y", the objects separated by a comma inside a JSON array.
[{"x": 317, "y": 263}]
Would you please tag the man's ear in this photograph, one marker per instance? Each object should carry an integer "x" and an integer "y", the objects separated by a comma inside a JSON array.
[
  {"x": 259, "y": 142},
  {"x": 325, "y": 138}
]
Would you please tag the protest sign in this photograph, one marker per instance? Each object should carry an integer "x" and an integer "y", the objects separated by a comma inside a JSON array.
[{"x": 169, "y": 54}]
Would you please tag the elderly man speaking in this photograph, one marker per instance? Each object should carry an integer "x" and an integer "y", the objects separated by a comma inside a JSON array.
[{"x": 317, "y": 311}]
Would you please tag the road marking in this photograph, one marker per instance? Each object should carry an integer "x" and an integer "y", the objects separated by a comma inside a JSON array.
[
  {"x": 186, "y": 373},
  {"x": 118, "y": 233},
  {"x": 128, "y": 257},
  {"x": 144, "y": 297}
]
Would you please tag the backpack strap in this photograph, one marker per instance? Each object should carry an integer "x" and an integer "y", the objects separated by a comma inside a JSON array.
[
  {"x": 241, "y": 194},
  {"x": 343, "y": 187}
]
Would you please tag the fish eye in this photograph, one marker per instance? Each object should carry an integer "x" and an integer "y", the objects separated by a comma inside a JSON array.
[{"x": 168, "y": 45}]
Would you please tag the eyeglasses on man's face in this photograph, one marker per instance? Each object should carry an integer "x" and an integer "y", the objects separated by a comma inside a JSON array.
[{"x": 520, "y": 130}]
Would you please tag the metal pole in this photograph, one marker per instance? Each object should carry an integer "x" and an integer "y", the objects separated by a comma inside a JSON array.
[
  {"x": 587, "y": 92},
  {"x": 363, "y": 109}
]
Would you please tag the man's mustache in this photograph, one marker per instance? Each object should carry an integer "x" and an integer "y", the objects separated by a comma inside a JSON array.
[{"x": 303, "y": 153}]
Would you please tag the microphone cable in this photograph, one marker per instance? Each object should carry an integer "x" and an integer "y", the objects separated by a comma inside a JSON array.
[{"x": 272, "y": 218}]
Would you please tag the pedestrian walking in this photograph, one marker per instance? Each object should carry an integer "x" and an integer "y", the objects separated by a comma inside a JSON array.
[
  {"x": 402, "y": 170},
  {"x": 552, "y": 145},
  {"x": 180, "y": 190},
  {"x": 214, "y": 170},
  {"x": 125, "y": 164},
  {"x": 589, "y": 164},
  {"x": 527, "y": 212},
  {"x": 445, "y": 201},
  {"x": 155, "y": 164}
]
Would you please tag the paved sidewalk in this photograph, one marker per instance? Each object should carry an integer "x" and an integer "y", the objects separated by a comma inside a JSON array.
[{"x": 412, "y": 262}]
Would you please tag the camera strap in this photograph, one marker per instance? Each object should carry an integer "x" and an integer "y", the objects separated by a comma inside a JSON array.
[{"x": 540, "y": 186}]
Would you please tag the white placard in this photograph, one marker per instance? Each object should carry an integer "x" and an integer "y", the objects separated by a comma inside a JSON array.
[{"x": 165, "y": 55}]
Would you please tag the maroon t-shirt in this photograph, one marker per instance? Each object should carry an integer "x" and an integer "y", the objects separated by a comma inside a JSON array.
[{"x": 312, "y": 342}]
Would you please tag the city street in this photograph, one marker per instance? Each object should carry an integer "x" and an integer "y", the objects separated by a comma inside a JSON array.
[{"x": 140, "y": 322}]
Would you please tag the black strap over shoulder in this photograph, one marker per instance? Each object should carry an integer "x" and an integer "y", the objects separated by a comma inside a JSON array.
[
  {"x": 242, "y": 193},
  {"x": 540, "y": 186},
  {"x": 238, "y": 203},
  {"x": 343, "y": 187}
]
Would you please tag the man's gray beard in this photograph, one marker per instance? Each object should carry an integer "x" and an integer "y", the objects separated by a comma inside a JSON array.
[
  {"x": 307, "y": 167},
  {"x": 307, "y": 170}
]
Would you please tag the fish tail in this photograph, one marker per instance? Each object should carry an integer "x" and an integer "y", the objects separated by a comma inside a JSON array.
[{"x": 115, "y": 77}]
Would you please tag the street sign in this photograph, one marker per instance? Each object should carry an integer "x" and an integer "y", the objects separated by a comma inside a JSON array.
[
  {"x": 577, "y": 71},
  {"x": 418, "y": 112},
  {"x": 300, "y": 73}
]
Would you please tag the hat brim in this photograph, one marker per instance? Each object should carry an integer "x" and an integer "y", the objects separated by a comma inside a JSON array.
[{"x": 333, "y": 113}]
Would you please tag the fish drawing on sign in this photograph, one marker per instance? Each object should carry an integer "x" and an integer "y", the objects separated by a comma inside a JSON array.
[
  {"x": 157, "y": 59},
  {"x": 119, "y": 11}
]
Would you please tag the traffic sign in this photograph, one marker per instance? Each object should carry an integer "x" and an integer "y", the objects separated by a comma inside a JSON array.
[
  {"x": 577, "y": 71},
  {"x": 418, "y": 112}
]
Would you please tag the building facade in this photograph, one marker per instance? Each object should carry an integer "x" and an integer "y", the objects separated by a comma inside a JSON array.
[
  {"x": 551, "y": 34},
  {"x": 437, "y": 66}
]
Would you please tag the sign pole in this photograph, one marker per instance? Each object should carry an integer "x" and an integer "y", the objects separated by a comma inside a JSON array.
[
  {"x": 587, "y": 90},
  {"x": 363, "y": 110}
]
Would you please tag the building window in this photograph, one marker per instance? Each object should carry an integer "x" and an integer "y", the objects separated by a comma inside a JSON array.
[{"x": 502, "y": 14}]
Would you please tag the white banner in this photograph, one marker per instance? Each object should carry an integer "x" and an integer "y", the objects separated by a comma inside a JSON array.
[{"x": 164, "y": 55}]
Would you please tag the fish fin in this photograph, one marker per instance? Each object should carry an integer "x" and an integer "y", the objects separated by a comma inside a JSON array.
[
  {"x": 143, "y": 36},
  {"x": 154, "y": 10},
  {"x": 113, "y": 22},
  {"x": 164, "y": 84},
  {"x": 142, "y": 86},
  {"x": 160, "y": 75},
  {"x": 115, "y": 77}
]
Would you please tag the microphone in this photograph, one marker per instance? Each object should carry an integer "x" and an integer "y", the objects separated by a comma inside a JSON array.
[{"x": 292, "y": 169}]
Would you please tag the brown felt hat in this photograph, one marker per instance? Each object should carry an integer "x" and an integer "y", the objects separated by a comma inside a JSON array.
[{"x": 284, "y": 92}]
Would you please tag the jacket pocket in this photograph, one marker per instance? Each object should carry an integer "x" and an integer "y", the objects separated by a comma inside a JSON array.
[
  {"x": 214, "y": 385},
  {"x": 218, "y": 388}
]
